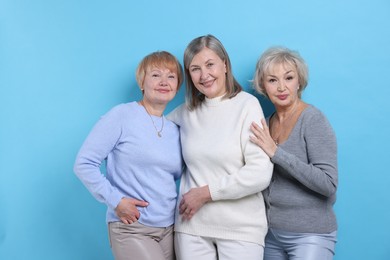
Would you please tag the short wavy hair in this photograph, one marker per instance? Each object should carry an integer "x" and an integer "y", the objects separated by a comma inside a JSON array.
[
  {"x": 279, "y": 55},
  {"x": 193, "y": 96},
  {"x": 159, "y": 59}
]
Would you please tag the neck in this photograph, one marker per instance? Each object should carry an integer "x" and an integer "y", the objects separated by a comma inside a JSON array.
[
  {"x": 285, "y": 113},
  {"x": 153, "y": 109}
]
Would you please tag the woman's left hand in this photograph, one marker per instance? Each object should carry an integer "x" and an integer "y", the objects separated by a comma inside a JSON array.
[
  {"x": 262, "y": 138},
  {"x": 193, "y": 200}
]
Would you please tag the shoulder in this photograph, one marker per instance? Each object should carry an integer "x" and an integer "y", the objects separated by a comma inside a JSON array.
[
  {"x": 120, "y": 112},
  {"x": 313, "y": 113},
  {"x": 176, "y": 114},
  {"x": 246, "y": 99},
  {"x": 122, "y": 108},
  {"x": 247, "y": 105},
  {"x": 245, "y": 96},
  {"x": 313, "y": 117}
]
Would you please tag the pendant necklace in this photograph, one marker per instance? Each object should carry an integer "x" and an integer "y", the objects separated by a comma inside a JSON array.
[{"x": 154, "y": 125}]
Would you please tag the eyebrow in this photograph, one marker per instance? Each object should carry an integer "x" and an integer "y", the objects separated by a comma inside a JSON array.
[
  {"x": 207, "y": 61},
  {"x": 287, "y": 72}
]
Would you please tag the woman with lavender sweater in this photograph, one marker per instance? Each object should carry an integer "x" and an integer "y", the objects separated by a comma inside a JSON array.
[{"x": 143, "y": 157}]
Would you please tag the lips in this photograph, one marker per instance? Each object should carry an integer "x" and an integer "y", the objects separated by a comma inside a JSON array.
[
  {"x": 282, "y": 97},
  {"x": 208, "y": 83},
  {"x": 163, "y": 90}
]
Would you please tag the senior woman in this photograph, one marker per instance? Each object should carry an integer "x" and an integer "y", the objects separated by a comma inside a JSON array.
[
  {"x": 143, "y": 160},
  {"x": 302, "y": 145},
  {"x": 221, "y": 212}
]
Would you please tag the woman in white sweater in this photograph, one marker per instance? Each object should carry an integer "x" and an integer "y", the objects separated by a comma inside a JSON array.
[{"x": 220, "y": 212}]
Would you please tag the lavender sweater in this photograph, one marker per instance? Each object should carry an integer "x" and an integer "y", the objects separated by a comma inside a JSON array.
[
  {"x": 302, "y": 192},
  {"x": 139, "y": 164}
]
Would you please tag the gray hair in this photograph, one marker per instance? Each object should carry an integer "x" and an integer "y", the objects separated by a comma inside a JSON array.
[{"x": 193, "y": 96}]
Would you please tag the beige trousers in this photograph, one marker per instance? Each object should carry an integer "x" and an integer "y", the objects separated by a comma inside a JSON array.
[{"x": 139, "y": 242}]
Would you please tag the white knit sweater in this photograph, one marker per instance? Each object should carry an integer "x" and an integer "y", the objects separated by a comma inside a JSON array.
[{"x": 218, "y": 153}]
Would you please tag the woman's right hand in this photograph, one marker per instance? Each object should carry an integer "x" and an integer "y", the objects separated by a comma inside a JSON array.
[
  {"x": 262, "y": 137},
  {"x": 193, "y": 200},
  {"x": 127, "y": 210}
]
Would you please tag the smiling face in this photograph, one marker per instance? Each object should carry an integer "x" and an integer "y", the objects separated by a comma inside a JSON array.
[
  {"x": 281, "y": 84},
  {"x": 208, "y": 73},
  {"x": 159, "y": 85}
]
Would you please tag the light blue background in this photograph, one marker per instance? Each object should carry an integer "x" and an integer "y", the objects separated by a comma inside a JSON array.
[{"x": 65, "y": 63}]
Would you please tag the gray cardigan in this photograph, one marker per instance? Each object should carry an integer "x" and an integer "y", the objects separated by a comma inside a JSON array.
[{"x": 302, "y": 192}]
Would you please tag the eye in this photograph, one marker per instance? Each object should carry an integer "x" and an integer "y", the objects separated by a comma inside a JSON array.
[
  {"x": 272, "y": 80},
  {"x": 209, "y": 65},
  {"x": 155, "y": 75},
  {"x": 172, "y": 76},
  {"x": 289, "y": 78},
  {"x": 193, "y": 69}
]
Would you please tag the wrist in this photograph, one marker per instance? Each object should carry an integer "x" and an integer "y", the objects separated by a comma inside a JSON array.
[{"x": 206, "y": 194}]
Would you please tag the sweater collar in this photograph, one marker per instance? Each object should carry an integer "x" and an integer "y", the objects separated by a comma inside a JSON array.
[{"x": 213, "y": 102}]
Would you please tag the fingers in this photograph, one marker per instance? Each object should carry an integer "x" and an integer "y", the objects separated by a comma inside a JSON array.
[
  {"x": 264, "y": 124},
  {"x": 124, "y": 220},
  {"x": 187, "y": 214},
  {"x": 255, "y": 127},
  {"x": 186, "y": 217},
  {"x": 182, "y": 207},
  {"x": 140, "y": 203},
  {"x": 256, "y": 131},
  {"x": 128, "y": 219},
  {"x": 185, "y": 209},
  {"x": 127, "y": 210},
  {"x": 253, "y": 139}
]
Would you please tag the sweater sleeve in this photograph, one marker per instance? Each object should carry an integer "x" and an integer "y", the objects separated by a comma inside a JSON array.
[
  {"x": 255, "y": 174},
  {"x": 320, "y": 173},
  {"x": 175, "y": 115},
  {"x": 95, "y": 149}
]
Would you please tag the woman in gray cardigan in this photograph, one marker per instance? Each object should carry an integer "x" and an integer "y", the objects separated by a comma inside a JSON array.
[{"x": 302, "y": 145}]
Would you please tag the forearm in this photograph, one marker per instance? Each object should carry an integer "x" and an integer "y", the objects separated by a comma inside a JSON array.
[
  {"x": 320, "y": 177},
  {"x": 250, "y": 179},
  {"x": 96, "y": 183}
]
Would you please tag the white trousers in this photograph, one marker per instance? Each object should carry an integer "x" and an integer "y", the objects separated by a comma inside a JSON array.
[{"x": 189, "y": 247}]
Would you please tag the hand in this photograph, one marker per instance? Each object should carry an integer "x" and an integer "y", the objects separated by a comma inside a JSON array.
[
  {"x": 262, "y": 138},
  {"x": 193, "y": 200},
  {"x": 127, "y": 210}
]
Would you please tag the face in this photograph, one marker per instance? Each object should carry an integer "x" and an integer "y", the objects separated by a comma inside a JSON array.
[
  {"x": 281, "y": 84},
  {"x": 208, "y": 73},
  {"x": 160, "y": 85}
]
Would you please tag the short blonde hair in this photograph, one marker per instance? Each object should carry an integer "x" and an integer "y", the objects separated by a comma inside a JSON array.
[
  {"x": 279, "y": 55},
  {"x": 159, "y": 59}
]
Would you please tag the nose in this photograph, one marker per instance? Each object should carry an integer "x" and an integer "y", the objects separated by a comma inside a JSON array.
[
  {"x": 281, "y": 86},
  {"x": 203, "y": 75},
  {"x": 164, "y": 81}
]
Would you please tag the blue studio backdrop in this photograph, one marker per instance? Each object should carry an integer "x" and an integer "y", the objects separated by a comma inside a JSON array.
[{"x": 65, "y": 63}]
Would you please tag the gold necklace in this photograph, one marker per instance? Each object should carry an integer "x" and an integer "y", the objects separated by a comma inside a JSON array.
[
  {"x": 154, "y": 125},
  {"x": 287, "y": 120}
]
